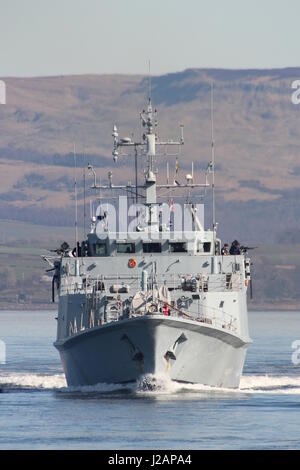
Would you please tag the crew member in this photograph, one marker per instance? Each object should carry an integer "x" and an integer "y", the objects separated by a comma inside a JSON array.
[
  {"x": 225, "y": 250},
  {"x": 235, "y": 248}
]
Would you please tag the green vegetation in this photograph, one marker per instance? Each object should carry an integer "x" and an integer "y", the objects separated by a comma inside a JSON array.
[
  {"x": 27, "y": 236},
  {"x": 22, "y": 279},
  {"x": 276, "y": 276},
  {"x": 257, "y": 177},
  {"x": 24, "y": 282}
]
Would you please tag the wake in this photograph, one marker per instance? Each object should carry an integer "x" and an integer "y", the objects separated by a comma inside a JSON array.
[
  {"x": 31, "y": 381},
  {"x": 149, "y": 385},
  {"x": 249, "y": 384}
]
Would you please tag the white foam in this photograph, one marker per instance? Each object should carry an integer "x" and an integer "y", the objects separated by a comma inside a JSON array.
[
  {"x": 270, "y": 384},
  {"x": 154, "y": 385},
  {"x": 33, "y": 381},
  {"x": 249, "y": 384}
]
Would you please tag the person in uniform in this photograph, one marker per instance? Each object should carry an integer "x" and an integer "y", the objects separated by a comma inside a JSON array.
[
  {"x": 235, "y": 248},
  {"x": 225, "y": 250}
]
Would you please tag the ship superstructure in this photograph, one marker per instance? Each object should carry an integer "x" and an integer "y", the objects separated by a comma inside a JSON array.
[{"x": 148, "y": 296}]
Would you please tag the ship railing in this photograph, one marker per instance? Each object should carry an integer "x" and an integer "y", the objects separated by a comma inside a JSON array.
[
  {"x": 96, "y": 288},
  {"x": 72, "y": 287},
  {"x": 221, "y": 283},
  {"x": 206, "y": 314},
  {"x": 220, "y": 320},
  {"x": 210, "y": 283}
]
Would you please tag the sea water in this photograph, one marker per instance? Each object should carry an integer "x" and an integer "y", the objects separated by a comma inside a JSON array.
[{"x": 38, "y": 410}]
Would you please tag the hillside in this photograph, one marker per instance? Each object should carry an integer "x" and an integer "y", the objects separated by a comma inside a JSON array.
[
  {"x": 257, "y": 135},
  {"x": 25, "y": 284}
]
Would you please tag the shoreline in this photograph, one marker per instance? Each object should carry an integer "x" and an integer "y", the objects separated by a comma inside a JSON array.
[
  {"x": 28, "y": 307},
  {"x": 268, "y": 307},
  {"x": 274, "y": 307}
]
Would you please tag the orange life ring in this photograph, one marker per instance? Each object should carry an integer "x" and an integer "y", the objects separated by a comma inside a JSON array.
[{"x": 132, "y": 263}]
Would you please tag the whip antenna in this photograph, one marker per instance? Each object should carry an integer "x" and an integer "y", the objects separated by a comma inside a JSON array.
[
  {"x": 76, "y": 206},
  {"x": 84, "y": 198},
  {"x": 149, "y": 80},
  {"x": 212, "y": 163}
]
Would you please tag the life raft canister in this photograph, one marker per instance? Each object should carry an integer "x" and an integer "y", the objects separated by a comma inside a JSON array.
[{"x": 132, "y": 263}]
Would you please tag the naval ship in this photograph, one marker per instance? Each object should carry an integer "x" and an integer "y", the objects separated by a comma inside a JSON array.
[{"x": 151, "y": 298}]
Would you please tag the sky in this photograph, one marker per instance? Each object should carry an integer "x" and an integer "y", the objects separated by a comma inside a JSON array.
[{"x": 59, "y": 37}]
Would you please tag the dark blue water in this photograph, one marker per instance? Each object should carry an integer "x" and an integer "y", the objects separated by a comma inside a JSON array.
[{"x": 38, "y": 411}]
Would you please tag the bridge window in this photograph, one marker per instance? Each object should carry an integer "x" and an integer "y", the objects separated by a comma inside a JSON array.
[
  {"x": 125, "y": 248},
  {"x": 178, "y": 247},
  {"x": 206, "y": 247},
  {"x": 100, "y": 249},
  {"x": 152, "y": 247}
]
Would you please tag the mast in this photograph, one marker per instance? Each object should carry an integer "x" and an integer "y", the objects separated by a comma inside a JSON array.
[
  {"x": 148, "y": 148},
  {"x": 213, "y": 159},
  {"x": 76, "y": 206},
  {"x": 84, "y": 199},
  {"x": 136, "y": 174}
]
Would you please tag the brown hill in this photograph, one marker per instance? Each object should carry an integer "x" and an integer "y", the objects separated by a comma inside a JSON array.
[{"x": 257, "y": 135}]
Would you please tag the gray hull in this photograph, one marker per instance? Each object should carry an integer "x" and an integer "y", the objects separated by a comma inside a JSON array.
[{"x": 123, "y": 351}]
